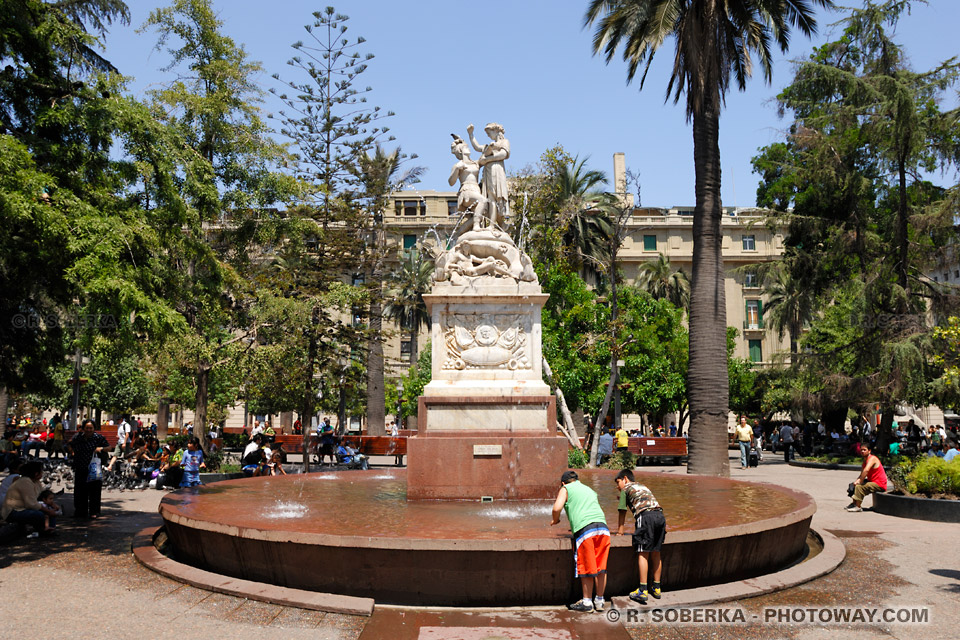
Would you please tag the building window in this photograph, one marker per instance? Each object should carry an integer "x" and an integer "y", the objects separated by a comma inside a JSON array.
[
  {"x": 956, "y": 273},
  {"x": 649, "y": 243},
  {"x": 405, "y": 349},
  {"x": 935, "y": 279},
  {"x": 452, "y": 207},
  {"x": 946, "y": 276},
  {"x": 409, "y": 241},
  {"x": 409, "y": 207},
  {"x": 750, "y": 279},
  {"x": 749, "y": 243},
  {"x": 756, "y": 351},
  {"x": 754, "y": 315}
]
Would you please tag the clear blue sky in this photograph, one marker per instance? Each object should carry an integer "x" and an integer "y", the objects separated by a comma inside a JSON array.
[{"x": 526, "y": 64}]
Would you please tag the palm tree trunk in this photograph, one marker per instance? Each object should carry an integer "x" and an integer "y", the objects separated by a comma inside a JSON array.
[
  {"x": 376, "y": 408},
  {"x": 707, "y": 379},
  {"x": 414, "y": 346}
]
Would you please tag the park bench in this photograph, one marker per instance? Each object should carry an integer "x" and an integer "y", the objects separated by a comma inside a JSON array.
[
  {"x": 647, "y": 448},
  {"x": 377, "y": 445}
]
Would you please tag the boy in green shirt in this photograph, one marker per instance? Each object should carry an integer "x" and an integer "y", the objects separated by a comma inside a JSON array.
[{"x": 591, "y": 538}]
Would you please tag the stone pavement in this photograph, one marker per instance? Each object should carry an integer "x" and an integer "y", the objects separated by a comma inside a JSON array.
[{"x": 85, "y": 583}]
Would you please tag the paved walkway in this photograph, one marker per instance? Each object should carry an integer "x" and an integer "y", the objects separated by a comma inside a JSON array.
[{"x": 85, "y": 584}]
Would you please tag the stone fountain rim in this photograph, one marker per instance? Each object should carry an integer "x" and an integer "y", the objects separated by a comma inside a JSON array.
[{"x": 556, "y": 540}]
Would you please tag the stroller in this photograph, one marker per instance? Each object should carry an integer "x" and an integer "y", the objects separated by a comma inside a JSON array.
[{"x": 348, "y": 456}]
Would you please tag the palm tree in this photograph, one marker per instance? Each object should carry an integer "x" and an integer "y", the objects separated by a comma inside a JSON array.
[
  {"x": 715, "y": 39},
  {"x": 789, "y": 305},
  {"x": 660, "y": 280},
  {"x": 587, "y": 225},
  {"x": 406, "y": 286},
  {"x": 378, "y": 173}
]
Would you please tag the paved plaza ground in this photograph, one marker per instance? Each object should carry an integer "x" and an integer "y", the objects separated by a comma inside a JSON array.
[{"x": 85, "y": 583}]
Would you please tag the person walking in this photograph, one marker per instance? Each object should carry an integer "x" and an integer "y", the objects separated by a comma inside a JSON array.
[
  {"x": 744, "y": 435},
  {"x": 786, "y": 439}
]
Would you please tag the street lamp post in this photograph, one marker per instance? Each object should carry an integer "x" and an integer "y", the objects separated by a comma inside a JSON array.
[{"x": 616, "y": 397}]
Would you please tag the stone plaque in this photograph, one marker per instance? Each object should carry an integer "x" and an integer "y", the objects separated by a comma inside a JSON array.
[{"x": 487, "y": 450}]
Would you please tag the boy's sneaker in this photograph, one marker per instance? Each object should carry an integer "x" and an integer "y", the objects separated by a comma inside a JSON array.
[
  {"x": 655, "y": 592},
  {"x": 598, "y": 604},
  {"x": 854, "y": 508},
  {"x": 639, "y": 596},
  {"x": 580, "y": 605}
]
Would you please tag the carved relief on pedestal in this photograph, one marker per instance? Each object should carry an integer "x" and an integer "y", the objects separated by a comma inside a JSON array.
[{"x": 485, "y": 341}]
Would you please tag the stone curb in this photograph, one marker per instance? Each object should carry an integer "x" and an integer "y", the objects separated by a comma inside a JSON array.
[
  {"x": 827, "y": 560},
  {"x": 830, "y": 466},
  {"x": 150, "y": 557},
  {"x": 915, "y": 508}
]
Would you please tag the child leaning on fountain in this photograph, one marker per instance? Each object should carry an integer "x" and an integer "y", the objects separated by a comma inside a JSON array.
[
  {"x": 649, "y": 534},
  {"x": 591, "y": 538}
]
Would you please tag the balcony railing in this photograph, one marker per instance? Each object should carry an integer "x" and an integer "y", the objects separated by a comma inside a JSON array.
[{"x": 752, "y": 326}]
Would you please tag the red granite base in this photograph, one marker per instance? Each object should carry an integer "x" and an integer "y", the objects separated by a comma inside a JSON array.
[{"x": 451, "y": 468}]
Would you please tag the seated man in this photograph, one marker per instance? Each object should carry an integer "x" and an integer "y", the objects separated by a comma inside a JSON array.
[
  {"x": 872, "y": 478},
  {"x": 347, "y": 455}
]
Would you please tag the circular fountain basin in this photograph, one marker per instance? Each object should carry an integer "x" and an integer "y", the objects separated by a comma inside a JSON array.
[{"x": 355, "y": 533}]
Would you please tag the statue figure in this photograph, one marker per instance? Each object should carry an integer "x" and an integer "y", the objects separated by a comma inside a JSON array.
[
  {"x": 466, "y": 170},
  {"x": 491, "y": 159},
  {"x": 486, "y": 252}
]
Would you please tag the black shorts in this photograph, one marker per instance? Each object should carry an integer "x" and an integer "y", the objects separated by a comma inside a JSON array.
[{"x": 651, "y": 530}]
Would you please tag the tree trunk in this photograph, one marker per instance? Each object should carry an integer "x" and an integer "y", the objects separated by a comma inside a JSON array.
[
  {"x": 200, "y": 415},
  {"x": 376, "y": 408},
  {"x": 4, "y": 406},
  {"x": 707, "y": 378},
  {"x": 414, "y": 346},
  {"x": 578, "y": 422},
  {"x": 598, "y": 425},
  {"x": 163, "y": 419},
  {"x": 308, "y": 406},
  {"x": 903, "y": 239}
]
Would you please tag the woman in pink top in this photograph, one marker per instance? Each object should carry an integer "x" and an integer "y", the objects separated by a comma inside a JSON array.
[{"x": 872, "y": 477}]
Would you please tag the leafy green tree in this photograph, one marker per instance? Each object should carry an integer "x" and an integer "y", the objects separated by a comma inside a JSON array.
[
  {"x": 716, "y": 41},
  {"x": 866, "y": 223},
  {"x": 229, "y": 177}
]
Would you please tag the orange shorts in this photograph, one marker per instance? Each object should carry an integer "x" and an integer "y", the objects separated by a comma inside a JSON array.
[{"x": 592, "y": 548}]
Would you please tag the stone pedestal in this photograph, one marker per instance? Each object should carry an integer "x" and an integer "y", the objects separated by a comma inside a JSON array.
[{"x": 487, "y": 421}]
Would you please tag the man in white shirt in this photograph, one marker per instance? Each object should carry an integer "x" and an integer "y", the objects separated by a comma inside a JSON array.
[
  {"x": 123, "y": 442},
  {"x": 257, "y": 428}
]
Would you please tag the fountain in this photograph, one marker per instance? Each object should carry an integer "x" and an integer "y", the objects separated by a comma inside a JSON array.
[{"x": 467, "y": 523}]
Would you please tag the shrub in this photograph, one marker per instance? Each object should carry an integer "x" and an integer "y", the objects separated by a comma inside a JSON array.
[
  {"x": 933, "y": 475},
  {"x": 620, "y": 460},
  {"x": 577, "y": 458},
  {"x": 899, "y": 474}
]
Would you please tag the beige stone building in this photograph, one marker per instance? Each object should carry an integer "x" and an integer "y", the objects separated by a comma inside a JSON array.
[{"x": 427, "y": 217}]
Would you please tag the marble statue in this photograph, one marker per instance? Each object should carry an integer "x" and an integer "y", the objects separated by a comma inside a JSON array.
[
  {"x": 492, "y": 156},
  {"x": 486, "y": 251},
  {"x": 466, "y": 170}
]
